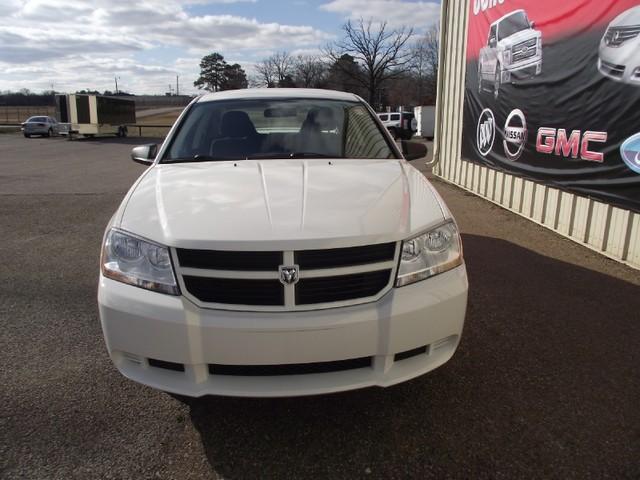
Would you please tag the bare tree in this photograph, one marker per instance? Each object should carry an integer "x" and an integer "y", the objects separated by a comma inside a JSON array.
[
  {"x": 425, "y": 64},
  {"x": 266, "y": 73},
  {"x": 277, "y": 70},
  {"x": 310, "y": 71},
  {"x": 383, "y": 53}
]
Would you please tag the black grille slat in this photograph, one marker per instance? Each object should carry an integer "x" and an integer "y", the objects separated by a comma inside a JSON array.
[
  {"x": 175, "y": 367},
  {"x": 229, "y": 260},
  {"x": 235, "y": 291},
  {"x": 344, "y": 257},
  {"x": 341, "y": 288},
  {"x": 290, "y": 369}
]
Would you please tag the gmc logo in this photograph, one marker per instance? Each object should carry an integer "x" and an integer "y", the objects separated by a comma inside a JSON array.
[{"x": 556, "y": 142}]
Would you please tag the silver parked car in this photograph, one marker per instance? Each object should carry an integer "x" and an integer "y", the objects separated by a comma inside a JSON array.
[
  {"x": 45, "y": 126},
  {"x": 619, "y": 54}
]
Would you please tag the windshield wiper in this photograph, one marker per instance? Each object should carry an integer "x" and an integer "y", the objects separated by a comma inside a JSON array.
[{"x": 198, "y": 158}]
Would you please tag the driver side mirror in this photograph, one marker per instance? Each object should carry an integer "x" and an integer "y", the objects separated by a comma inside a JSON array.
[
  {"x": 144, "y": 154},
  {"x": 532, "y": 24},
  {"x": 492, "y": 42},
  {"x": 413, "y": 150}
]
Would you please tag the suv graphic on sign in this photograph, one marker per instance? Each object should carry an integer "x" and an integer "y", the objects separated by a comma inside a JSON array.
[
  {"x": 513, "y": 51},
  {"x": 619, "y": 55}
]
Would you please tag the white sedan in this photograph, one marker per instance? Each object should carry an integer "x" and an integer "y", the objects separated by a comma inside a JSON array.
[
  {"x": 279, "y": 244},
  {"x": 41, "y": 125}
]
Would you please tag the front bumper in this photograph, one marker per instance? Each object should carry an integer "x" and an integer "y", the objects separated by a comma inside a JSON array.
[
  {"x": 522, "y": 70},
  {"x": 139, "y": 325},
  {"x": 621, "y": 64}
]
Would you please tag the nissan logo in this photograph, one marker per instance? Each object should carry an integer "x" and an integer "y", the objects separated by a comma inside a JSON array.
[
  {"x": 515, "y": 135},
  {"x": 485, "y": 132}
]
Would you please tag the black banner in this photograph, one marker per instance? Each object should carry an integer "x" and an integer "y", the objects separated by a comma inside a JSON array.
[{"x": 553, "y": 94}]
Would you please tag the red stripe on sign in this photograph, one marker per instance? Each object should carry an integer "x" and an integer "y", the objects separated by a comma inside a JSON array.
[{"x": 554, "y": 18}]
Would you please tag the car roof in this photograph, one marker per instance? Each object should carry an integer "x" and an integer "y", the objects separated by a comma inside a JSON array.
[{"x": 248, "y": 93}]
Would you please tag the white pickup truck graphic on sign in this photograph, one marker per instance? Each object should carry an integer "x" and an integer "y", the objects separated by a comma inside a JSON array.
[{"x": 513, "y": 51}]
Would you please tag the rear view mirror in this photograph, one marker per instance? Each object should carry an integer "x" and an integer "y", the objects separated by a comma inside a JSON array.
[
  {"x": 280, "y": 112},
  {"x": 144, "y": 154},
  {"x": 413, "y": 150}
]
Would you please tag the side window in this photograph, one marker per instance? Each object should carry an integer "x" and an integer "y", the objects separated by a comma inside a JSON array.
[
  {"x": 492, "y": 34},
  {"x": 395, "y": 117},
  {"x": 363, "y": 137},
  {"x": 384, "y": 118}
]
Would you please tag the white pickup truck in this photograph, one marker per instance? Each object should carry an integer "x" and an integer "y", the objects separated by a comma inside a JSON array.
[
  {"x": 513, "y": 52},
  {"x": 279, "y": 244}
]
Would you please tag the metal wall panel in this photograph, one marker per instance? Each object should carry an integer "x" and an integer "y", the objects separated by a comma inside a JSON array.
[{"x": 612, "y": 231}]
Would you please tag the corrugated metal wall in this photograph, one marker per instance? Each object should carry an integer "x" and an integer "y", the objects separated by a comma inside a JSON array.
[{"x": 609, "y": 230}]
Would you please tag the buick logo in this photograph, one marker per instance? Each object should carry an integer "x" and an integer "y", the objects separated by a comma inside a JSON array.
[
  {"x": 289, "y": 275},
  {"x": 515, "y": 135},
  {"x": 630, "y": 152},
  {"x": 485, "y": 132},
  {"x": 524, "y": 50}
]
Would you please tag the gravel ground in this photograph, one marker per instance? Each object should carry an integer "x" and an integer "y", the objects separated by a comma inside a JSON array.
[{"x": 545, "y": 383}]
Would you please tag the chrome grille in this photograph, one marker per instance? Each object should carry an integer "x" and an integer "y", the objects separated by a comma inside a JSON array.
[
  {"x": 616, "y": 36},
  {"x": 523, "y": 50},
  {"x": 326, "y": 278}
]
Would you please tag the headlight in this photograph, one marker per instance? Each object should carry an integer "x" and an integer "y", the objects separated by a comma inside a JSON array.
[
  {"x": 429, "y": 254},
  {"x": 506, "y": 56},
  {"x": 138, "y": 262}
]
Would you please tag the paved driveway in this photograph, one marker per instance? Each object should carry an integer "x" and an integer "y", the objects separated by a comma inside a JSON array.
[{"x": 546, "y": 383}]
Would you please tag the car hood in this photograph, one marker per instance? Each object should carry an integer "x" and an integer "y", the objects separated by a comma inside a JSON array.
[
  {"x": 627, "y": 18},
  {"x": 520, "y": 36},
  {"x": 282, "y": 204}
]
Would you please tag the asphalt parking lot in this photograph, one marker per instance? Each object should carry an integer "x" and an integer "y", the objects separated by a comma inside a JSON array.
[{"x": 545, "y": 384}]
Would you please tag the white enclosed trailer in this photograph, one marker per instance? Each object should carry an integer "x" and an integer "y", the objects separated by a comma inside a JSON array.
[
  {"x": 426, "y": 121},
  {"x": 91, "y": 115}
]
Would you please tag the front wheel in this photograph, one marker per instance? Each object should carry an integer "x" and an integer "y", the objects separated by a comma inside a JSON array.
[
  {"x": 480, "y": 88},
  {"x": 49, "y": 132},
  {"x": 496, "y": 85},
  {"x": 26, "y": 135}
]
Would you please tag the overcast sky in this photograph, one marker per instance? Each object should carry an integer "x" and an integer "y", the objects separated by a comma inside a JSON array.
[{"x": 75, "y": 44}]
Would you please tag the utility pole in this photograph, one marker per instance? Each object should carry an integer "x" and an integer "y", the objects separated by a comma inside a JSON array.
[
  {"x": 177, "y": 86},
  {"x": 116, "y": 79}
]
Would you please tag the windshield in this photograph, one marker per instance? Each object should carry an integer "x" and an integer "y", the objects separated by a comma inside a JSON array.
[
  {"x": 513, "y": 24},
  {"x": 277, "y": 128},
  {"x": 37, "y": 119}
]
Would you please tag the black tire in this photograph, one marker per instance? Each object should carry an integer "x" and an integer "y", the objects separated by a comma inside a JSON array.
[
  {"x": 125, "y": 132},
  {"x": 394, "y": 133},
  {"x": 26, "y": 135},
  {"x": 496, "y": 85},
  {"x": 480, "y": 86},
  {"x": 49, "y": 132}
]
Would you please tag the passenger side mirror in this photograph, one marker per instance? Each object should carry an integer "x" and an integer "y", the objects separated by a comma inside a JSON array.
[
  {"x": 532, "y": 24},
  {"x": 413, "y": 150},
  {"x": 144, "y": 154}
]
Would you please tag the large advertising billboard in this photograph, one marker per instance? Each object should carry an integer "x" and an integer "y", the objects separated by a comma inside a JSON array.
[{"x": 553, "y": 94}]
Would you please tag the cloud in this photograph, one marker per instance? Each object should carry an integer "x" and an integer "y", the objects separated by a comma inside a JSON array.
[
  {"x": 78, "y": 43},
  {"x": 420, "y": 14}
]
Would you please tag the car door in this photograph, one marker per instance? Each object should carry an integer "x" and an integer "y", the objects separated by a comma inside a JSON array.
[{"x": 490, "y": 60}]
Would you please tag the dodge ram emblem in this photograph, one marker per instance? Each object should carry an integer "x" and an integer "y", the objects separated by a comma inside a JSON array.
[{"x": 289, "y": 275}]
